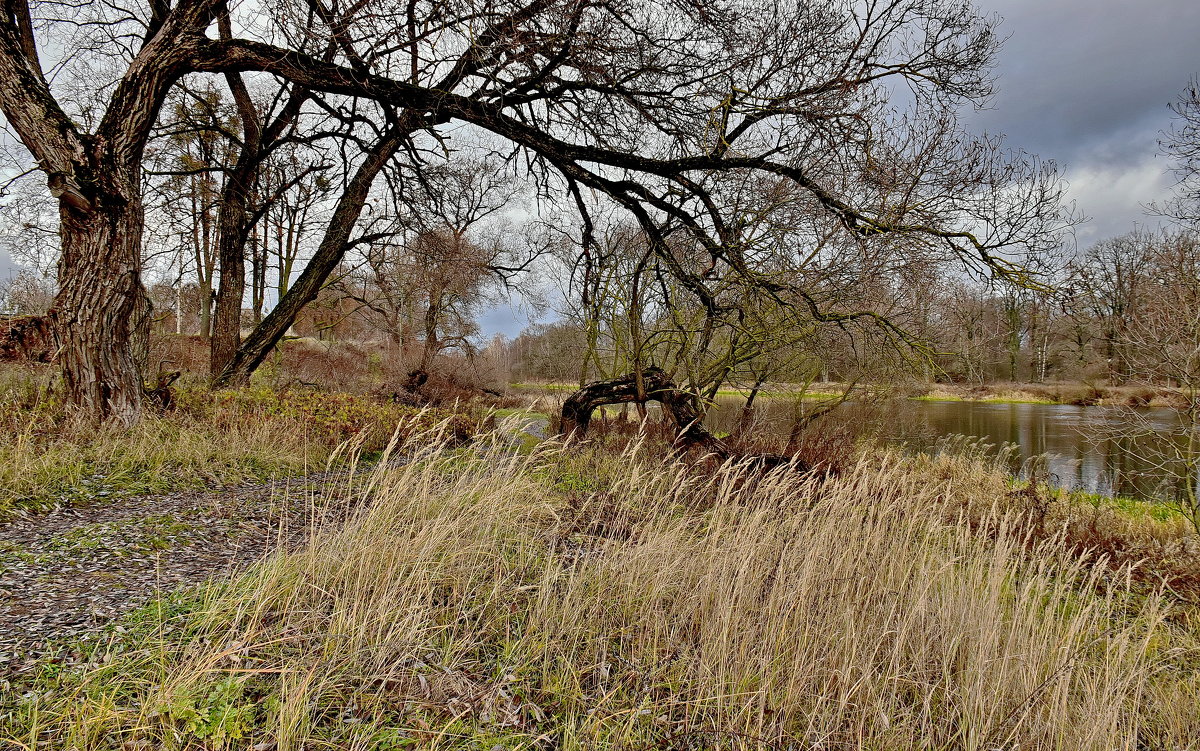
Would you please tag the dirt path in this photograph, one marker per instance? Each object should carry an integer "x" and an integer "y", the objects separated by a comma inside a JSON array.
[{"x": 68, "y": 572}]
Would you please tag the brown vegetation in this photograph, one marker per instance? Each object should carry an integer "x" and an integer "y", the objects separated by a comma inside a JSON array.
[
  {"x": 569, "y": 599},
  {"x": 26, "y": 338},
  {"x": 50, "y": 456}
]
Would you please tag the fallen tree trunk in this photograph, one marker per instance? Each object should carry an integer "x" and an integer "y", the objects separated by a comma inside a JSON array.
[{"x": 682, "y": 406}]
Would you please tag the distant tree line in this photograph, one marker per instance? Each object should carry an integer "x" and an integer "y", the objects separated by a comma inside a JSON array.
[{"x": 1089, "y": 322}]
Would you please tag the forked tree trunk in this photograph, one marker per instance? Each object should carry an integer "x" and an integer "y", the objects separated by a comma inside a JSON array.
[
  {"x": 101, "y": 313},
  {"x": 329, "y": 254},
  {"x": 235, "y": 224}
]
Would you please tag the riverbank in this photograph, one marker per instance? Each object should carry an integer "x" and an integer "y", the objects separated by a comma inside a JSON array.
[
  {"x": 1076, "y": 394},
  {"x": 598, "y": 598}
]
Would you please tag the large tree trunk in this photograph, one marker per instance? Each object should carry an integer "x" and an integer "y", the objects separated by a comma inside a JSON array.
[
  {"x": 231, "y": 257},
  {"x": 235, "y": 223},
  {"x": 101, "y": 313}
]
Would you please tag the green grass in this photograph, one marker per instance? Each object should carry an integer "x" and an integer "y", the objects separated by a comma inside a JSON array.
[
  {"x": 544, "y": 386},
  {"x": 49, "y": 458},
  {"x": 1132, "y": 508}
]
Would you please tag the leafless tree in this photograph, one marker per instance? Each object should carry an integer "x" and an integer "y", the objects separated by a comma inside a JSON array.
[
  {"x": 1182, "y": 145},
  {"x": 440, "y": 248},
  {"x": 641, "y": 102},
  {"x": 1162, "y": 342},
  {"x": 1110, "y": 284},
  {"x": 186, "y": 166}
]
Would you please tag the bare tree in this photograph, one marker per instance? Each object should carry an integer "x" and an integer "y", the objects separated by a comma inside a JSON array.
[
  {"x": 101, "y": 311},
  {"x": 264, "y": 130},
  {"x": 1162, "y": 342},
  {"x": 448, "y": 243},
  {"x": 1182, "y": 146},
  {"x": 1110, "y": 283},
  {"x": 639, "y": 102},
  {"x": 191, "y": 156}
]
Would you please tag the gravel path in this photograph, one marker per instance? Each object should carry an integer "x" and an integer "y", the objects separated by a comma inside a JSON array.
[{"x": 68, "y": 572}]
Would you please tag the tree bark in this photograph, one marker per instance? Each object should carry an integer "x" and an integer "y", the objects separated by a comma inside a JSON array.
[
  {"x": 101, "y": 313},
  {"x": 231, "y": 259},
  {"x": 431, "y": 346}
]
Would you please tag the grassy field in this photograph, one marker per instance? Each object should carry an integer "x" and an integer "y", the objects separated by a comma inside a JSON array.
[
  {"x": 600, "y": 598},
  {"x": 48, "y": 457}
]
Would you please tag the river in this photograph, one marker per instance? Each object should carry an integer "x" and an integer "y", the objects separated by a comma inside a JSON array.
[{"x": 1113, "y": 451}]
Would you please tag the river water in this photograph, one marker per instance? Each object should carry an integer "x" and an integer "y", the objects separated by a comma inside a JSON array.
[{"x": 1113, "y": 451}]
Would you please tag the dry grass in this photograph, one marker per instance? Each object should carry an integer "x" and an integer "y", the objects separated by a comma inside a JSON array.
[
  {"x": 1082, "y": 394},
  {"x": 82, "y": 464},
  {"x": 1154, "y": 541},
  {"x": 573, "y": 600}
]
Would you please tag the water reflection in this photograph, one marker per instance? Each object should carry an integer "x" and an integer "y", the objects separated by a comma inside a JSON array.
[{"x": 1099, "y": 449}]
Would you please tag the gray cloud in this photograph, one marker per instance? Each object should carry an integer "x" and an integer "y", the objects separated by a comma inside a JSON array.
[
  {"x": 504, "y": 317},
  {"x": 1086, "y": 83}
]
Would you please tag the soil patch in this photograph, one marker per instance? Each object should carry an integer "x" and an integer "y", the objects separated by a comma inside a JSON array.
[{"x": 68, "y": 572}]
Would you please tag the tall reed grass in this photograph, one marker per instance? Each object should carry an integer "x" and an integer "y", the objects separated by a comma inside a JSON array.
[{"x": 485, "y": 598}]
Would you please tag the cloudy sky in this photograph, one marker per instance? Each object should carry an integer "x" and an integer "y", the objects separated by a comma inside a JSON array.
[
  {"x": 7, "y": 268},
  {"x": 1085, "y": 83}
]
